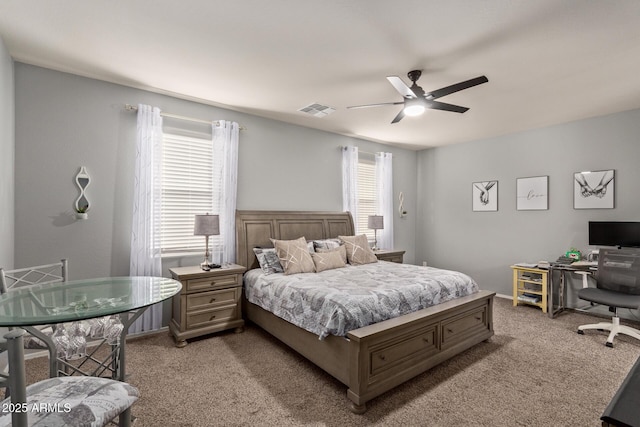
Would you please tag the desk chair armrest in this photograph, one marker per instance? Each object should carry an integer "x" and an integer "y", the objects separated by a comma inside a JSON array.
[{"x": 585, "y": 277}]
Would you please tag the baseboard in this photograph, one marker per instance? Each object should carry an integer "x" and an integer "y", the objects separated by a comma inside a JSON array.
[{"x": 509, "y": 297}]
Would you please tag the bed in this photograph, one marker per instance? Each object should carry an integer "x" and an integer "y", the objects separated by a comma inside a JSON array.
[{"x": 372, "y": 359}]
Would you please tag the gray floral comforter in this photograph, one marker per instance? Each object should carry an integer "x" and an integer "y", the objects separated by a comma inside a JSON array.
[{"x": 337, "y": 301}]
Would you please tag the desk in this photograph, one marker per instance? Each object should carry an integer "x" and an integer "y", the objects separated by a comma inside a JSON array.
[
  {"x": 84, "y": 299},
  {"x": 557, "y": 304}
]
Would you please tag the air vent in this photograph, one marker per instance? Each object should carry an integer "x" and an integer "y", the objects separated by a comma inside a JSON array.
[{"x": 317, "y": 110}]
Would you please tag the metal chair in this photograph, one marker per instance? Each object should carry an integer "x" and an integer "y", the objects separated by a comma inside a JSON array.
[
  {"x": 38, "y": 275},
  {"x": 64, "y": 401},
  {"x": 618, "y": 286}
]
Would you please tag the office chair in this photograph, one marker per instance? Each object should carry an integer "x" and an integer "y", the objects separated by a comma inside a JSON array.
[{"x": 618, "y": 286}]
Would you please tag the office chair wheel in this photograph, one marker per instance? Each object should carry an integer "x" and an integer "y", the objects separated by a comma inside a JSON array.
[
  {"x": 581, "y": 332},
  {"x": 609, "y": 344}
]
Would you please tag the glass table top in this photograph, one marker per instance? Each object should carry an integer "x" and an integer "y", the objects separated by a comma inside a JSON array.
[{"x": 82, "y": 299}]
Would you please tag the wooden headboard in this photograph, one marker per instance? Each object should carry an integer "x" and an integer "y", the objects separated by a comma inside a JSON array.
[{"x": 255, "y": 228}]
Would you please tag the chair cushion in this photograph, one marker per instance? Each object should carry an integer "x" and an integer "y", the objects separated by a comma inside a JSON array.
[
  {"x": 610, "y": 298},
  {"x": 74, "y": 401}
]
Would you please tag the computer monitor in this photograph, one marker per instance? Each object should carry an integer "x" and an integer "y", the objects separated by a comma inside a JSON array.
[{"x": 625, "y": 234}]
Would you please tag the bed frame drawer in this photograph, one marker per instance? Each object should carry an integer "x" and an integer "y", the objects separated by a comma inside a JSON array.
[
  {"x": 404, "y": 350},
  {"x": 459, "y": 328},
  {"x": 212, "y": 299}
]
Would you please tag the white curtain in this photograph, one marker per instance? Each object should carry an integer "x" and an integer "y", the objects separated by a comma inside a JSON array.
[
  {"x": 384, "y": 198},
  {"x": 225, "y": 155},
  {"x": 145, "y": 228},
  {"x": 350, "y": 183}
]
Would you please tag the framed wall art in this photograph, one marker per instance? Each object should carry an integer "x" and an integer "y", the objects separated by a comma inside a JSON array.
[
  {"x": 532, "y": 194},
  {"x": 485, "y": 196},
  {"x": 594, "y": 190}
]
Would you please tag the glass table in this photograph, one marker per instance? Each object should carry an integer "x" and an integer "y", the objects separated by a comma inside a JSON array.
[{"x": 77, "y": 300}]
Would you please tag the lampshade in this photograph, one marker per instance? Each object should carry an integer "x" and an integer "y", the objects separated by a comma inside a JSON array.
[
  {"x": 206, "y": 225},
  {"x": 375, "y": 222}
]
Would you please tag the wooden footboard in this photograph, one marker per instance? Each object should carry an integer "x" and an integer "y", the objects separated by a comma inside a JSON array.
[
  {"x": 377, "y": 358},
  {"x": 386, "y": 354}
]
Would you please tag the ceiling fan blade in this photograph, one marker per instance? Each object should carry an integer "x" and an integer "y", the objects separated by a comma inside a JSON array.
[
  {"x": 436, "y": 105},
  {"x": 439, "y": 93},
  {"x": 377, "y": 105},
  {"x": 398, "y": 117},
  {"x": 401, "y": 87}
]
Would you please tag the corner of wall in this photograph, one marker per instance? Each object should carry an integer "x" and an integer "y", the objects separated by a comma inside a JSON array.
[{"x": 7, "y": 158}]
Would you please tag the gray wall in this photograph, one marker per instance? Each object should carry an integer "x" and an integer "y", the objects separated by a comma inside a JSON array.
[
  {"x": 485, "y": 244},
  {"x": 6, "y": 158},
  {"x": 65, "y": 121}
]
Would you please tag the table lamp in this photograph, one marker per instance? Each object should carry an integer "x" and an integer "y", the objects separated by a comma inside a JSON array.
[
  {"x": 206, "y": 225},
  {"x": 376, "y": 222}
]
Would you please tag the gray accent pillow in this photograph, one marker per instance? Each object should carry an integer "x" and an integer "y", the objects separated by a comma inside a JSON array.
[
  {"x": 326, "y": 244},
  {"x": 358, "y": 250},
  {"x": 327, "y": 260},
  {"x": 342, "y": 250},
  {"x": 268, "y": 260},
  {"x": 294, "y": 256}
]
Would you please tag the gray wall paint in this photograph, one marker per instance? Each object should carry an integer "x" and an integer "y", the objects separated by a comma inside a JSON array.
[
  {"x": 7, "y": 142},
  {"x": 65, "y": 121},
  {"x": 485, "y": 244}
]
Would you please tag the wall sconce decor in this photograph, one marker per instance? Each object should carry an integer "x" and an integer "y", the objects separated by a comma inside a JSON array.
[
  {"x": 82, "y": 204},
  {"x": 401, "y": 210}
]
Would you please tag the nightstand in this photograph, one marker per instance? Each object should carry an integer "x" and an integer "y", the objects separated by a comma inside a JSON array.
[
  {"x": 390, "y": 255},
  {"x": 209, "y": 302}
]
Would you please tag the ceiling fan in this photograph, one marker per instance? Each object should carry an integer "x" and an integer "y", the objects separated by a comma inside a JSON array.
[{"x": 416, "y": 100}]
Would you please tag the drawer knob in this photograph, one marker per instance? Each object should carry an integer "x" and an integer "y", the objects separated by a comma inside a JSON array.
[
  {"x": 478, "y": 317},
  {"x": 213, "y": 317},
  {"x": 382, "y": 357},
  {"x": 426, "y": 339},
  {"x": 450, "y": 330},
  {"x": 213, "y": 282},
  {"x": 212, "y": 300}
]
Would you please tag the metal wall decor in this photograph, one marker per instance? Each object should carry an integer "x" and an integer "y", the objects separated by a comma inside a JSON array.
[{"x": 82, "y": 203}]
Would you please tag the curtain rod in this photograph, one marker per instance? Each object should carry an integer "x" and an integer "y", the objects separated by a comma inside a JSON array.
[
  {"x": 130, "y": 107},
  {"x": 344, "y": 147}
]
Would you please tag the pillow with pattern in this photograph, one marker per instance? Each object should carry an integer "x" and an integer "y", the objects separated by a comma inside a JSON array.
[
  {"x": 327, "y": 260},
  {"x": 326, "y": 244},
  {"x": 342, "y": 250},
  {"x": 294, "y": 256},
  {"x": 268, "y": 260},
  {"x": 358, "y": 250}
]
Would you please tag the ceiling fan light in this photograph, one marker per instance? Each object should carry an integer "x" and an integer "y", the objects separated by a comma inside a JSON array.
[{"x": 414, "y": 110}]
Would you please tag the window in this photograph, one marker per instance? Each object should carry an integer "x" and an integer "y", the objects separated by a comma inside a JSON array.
[
  {"x": 188, "y": 188},
  {"x": 366, "y": 194}
]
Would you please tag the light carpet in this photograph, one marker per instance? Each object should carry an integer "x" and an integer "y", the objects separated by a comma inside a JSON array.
[{"x": 535, "y": 371}]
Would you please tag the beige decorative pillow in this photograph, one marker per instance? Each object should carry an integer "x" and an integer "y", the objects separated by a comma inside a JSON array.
[
  {"x": 327, "y": 260},
  {"x": 342, "y": 250},
  {"x": 358, "y": 249},
  {"x": 294, "y": 256}
]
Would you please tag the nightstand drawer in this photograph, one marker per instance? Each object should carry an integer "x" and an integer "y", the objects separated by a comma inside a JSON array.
[
  {"x": 204, "y": 318},
  {"x": 212, "y": 299},
  {"x": 212, "y": 282}
]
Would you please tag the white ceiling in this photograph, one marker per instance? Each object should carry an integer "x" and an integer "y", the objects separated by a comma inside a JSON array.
[{"x": 547, "y": 61}]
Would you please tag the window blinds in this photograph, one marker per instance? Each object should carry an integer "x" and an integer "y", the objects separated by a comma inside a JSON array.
[
  {"x": 188, "y": 186},
  {"x": 366, "y": 195}
]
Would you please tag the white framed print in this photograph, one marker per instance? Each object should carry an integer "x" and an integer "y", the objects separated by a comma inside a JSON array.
[
  {"x": 484, "y": 196},
  {"x": 594, "y": 190},
  {"x": 532, "y": 194}
]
